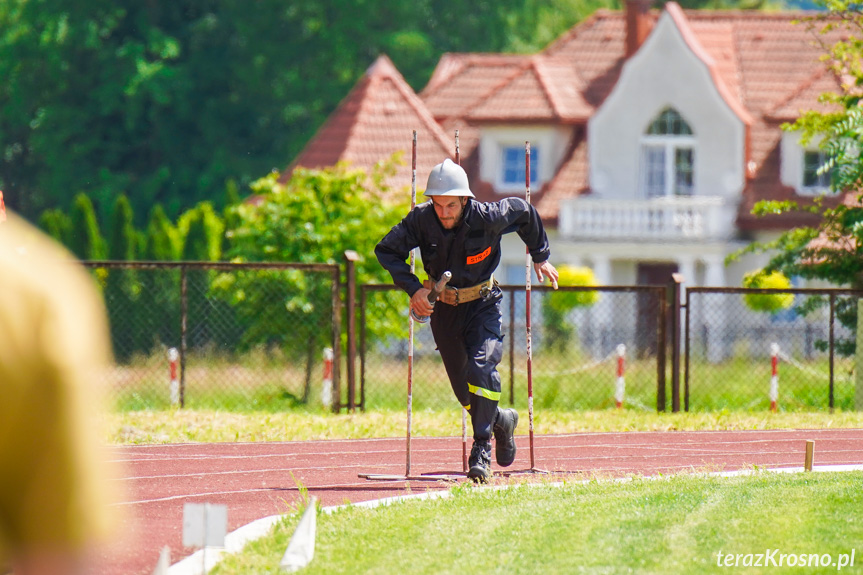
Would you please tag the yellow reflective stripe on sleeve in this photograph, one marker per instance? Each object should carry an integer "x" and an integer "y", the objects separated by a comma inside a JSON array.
[
  {"x": 467, "y": 407},
  {"x": 483, "y": 392}
]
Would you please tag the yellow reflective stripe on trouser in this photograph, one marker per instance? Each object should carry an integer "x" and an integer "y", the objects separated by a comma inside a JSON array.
[{"x": 483, "y": 392}]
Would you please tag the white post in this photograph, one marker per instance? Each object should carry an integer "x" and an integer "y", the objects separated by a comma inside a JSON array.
[
  {"x": 774, "y": 378},
  {"x": 327, "y": 389},
  {"x": 620, "y": 384},
  {"x": 173, "y": 356}
]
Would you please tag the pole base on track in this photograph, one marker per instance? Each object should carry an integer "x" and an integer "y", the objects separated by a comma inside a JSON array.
[
  {"x": 423, "y": 477},
  {"x": 523, "y": 472}
]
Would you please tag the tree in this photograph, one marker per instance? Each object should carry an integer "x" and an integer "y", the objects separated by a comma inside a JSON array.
[
  {"x": 557, "y": 305},
  {"x": 161, "y": 238},
  {"x": 86, "y": 240},
  {"x": 121, "y": 287},
  {"x": 313, "y": 218},
  {"x": 56, "y": 224},
  {"x": 168, "y": 100},
  {"x": 832, "y": 249},
  {"x": 769, "y": 303},
  {"x": 201, "y": 230}
]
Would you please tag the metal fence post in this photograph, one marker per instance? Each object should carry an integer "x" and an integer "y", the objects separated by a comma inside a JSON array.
[
  {"x": 674, "y": 285},
  {"x": 661, "y": 346},
  {"x": 363, "y": 302},
  {"x": 686, "y": 339},
  {"x": 184, "y": 313},
  {"x": 337, "y": 339},
  {"x": 832, "y": 347},
  {"x": 351, "y": 278}
]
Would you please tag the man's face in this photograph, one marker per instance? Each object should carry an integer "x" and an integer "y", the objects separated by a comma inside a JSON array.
[{"x": 449, "y": 210}]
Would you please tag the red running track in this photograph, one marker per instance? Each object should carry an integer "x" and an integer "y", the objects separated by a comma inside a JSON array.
[{"x": 257, "y": 480}]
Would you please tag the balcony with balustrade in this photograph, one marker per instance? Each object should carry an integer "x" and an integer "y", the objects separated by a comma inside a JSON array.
[{"x": 664, "y": 219}]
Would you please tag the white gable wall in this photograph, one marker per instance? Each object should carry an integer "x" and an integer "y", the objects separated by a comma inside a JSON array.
[{"x": 665, "y": 72}]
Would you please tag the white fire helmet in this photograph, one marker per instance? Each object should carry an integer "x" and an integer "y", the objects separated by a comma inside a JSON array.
[{"x": 448, "y": 179}]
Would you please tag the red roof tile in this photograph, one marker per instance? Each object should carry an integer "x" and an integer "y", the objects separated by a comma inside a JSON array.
[
  {"x": 543, "y": 89},
  {"x": 465, "y": 79},
  {"x": 376, "y": 119}
]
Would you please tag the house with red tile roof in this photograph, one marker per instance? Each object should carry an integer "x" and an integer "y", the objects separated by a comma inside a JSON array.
[
  {"x": 373, "y": 122},
  {"x": 653, "y": 132}
]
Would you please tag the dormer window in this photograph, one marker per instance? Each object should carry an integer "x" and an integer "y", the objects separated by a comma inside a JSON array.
[
  {"x": 513, "y": 165},
  {"x": 667, "y": 156}
]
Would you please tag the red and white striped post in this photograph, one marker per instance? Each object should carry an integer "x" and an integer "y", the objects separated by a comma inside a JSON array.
[
  {"x": 774, "y": 378},
  {"x": 620, "y": 384},
  {"x": 327, "y": 383},
  {"x": 527, "y": 313},
  {"x": 410, "y": 317},
  {"x": 464, "y": 457},
  {"x": 173, "y": 357}
]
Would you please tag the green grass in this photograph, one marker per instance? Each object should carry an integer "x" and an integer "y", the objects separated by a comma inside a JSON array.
[
  {"x": 210, "y": 426},
  {"x": 674, "y": 525}
]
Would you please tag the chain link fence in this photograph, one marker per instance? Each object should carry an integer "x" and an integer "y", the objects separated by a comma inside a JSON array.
[
  {"x": 751, "y": 349},
  {"x": 579, "y": 335},
  {"x": 247, "y": 336},
  {"x": 257, "y": 337}
]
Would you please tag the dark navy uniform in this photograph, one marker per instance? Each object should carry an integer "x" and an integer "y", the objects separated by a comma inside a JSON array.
[{"x": 468, "y": 335}]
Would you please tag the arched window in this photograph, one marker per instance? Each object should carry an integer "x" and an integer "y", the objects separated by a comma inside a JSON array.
[{"x": 667, "y": 156}]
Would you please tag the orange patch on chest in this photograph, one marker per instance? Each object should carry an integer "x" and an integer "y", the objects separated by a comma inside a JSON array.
[{"x": 479, "y": 257}]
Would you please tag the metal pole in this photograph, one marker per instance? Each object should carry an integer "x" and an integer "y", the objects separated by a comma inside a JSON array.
[
  {"x": 457, "y": 159},
  {"x": 527, "y": 311},
  {"x": 362, "y": 350},
  {"x": 686, "y": 355},
  {"x": 351, "y": 277},
  {"x": 337, "y": 337},
  {"x": 831, "y": 399},
  {"x": 676, "y": 280},
  {"x": 410, "y": 318},
  {"x": 512, "y": 348},
  {"x": 184, "y": 313}
]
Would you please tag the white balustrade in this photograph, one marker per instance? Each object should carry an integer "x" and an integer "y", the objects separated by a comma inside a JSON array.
[{"x": 673, "y": 218}]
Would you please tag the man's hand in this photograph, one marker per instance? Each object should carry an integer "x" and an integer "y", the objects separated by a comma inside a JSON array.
[
  {"x": 547, "y": 270},
  {"x": 420, "y": 302}
]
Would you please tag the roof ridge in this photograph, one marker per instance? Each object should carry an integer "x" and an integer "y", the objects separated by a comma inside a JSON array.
[
  {"x": 416, "y": 103},
  {"x": 809, "y": 81},
  {"x": 675, "y": 12},
  {"x": 537, "y": 63},
  {"x": 497, "y": 87},
  {"x": 579, "y": 27}
]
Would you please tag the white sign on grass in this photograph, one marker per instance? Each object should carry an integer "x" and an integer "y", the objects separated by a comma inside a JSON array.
[{"x": 204, "y": 525}]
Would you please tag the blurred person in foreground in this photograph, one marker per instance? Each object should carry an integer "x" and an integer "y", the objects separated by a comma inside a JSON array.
[
  {"x": 456, "y": 233},
  {"x": 55, "y": 488}
]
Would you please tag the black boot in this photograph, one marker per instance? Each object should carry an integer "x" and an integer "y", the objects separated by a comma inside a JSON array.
[
  {"x": 504, "y": 442},
  {"x": 479, "y": 463}
]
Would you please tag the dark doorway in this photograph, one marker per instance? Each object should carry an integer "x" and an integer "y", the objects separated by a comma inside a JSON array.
[{"x": 647, "y": 322}]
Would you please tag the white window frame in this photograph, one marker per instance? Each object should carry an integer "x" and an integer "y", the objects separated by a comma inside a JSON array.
[
  {"x": 669, "y": 144},
  {"x": 818, "y": 189},
  {"x": 535, "y": 162},
  {"x": 792, "y": 164}
]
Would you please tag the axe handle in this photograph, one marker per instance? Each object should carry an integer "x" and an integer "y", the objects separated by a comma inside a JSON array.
[{"x": 438, "y": 288}]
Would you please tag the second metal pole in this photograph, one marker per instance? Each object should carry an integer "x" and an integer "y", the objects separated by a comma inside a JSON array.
[
  {"x": 410, "y": 318},
  {"x": 527, "y": 312}
]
